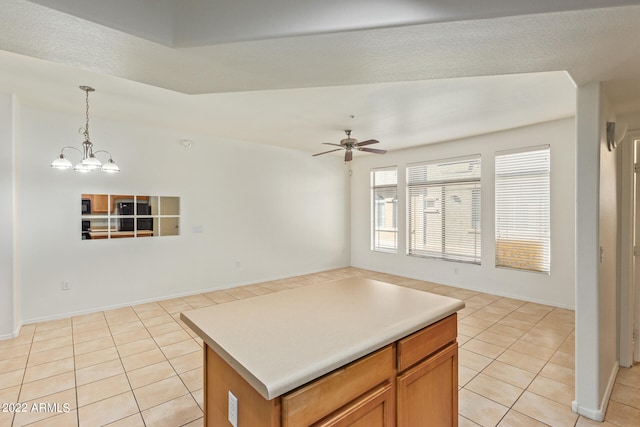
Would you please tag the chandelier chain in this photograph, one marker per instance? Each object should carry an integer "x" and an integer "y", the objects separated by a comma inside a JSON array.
[{"x": 86, "y": 128}]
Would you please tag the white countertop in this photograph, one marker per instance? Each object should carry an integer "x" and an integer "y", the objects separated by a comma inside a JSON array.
[{"x": 282, "y": 340}]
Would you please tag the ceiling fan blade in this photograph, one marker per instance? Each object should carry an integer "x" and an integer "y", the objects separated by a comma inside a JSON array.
[
  {"x": 373, "y": 150},
  {"x": 348, "y": 156},
  {"x": 325, "y": 152},
  {"x": 367, "y": 142},
  {"x": 328, "y": 143}
]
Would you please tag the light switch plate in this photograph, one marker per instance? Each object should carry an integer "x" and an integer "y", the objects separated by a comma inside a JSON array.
[{"x": 233, "y": 409}]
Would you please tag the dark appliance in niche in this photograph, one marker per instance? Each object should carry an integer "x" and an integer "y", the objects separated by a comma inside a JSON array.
[
  {"x": 86, "y": 225},
  {"x": 86, "y": 206},
  {"x": 126, "y": 224}
]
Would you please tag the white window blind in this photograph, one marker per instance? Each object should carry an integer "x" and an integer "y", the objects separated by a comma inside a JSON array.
[
  {"x": 523, "y": 209},
  {"x": 384, "y": 218},
  {"x": 444, "y": 209}
]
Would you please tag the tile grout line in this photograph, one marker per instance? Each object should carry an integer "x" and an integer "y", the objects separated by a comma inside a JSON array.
[
  {"x": 125, "y": 373},
  {"x": 502, "y": 352},
  {"x": 190, "y": 392},
  {"x": 308, "y": 280},
  {"x": 75, "y": 378},
  {"x": 120, "y": 358},
  {"x": 169, "y": 360},
  {"x": 485, "y": 330},
  {"x": 493, "y": 360},
  {"x": 24, "y": 373},
  {"x": 52, "y": 415}
]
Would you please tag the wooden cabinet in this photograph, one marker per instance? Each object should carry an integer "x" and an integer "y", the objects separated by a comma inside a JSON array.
[
  {"x": 427, "y": 383},
  {"x": 374, "y": 409},
  {"x": 253, "y": 409},
  {"x": 412, "y": 382},
  {"x": 99, "y": 202},
  {"x": 340, "y": 389},
  {"x": 426, "y": 342},
  {"x": 428, "y": 392}
]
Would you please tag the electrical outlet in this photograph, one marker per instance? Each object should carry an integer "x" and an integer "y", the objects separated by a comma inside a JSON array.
[
  {"x": 66, "y": 285},
  {"x": 233, "y": 409}
]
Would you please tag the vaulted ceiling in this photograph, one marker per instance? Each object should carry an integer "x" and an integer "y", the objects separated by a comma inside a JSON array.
[{"x": 293, "y": 73}]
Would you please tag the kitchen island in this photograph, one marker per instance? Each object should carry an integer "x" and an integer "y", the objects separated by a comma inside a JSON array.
[{"x": 347, "y": 352}]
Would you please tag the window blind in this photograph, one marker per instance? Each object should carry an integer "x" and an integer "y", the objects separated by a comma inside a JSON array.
[
  {"x": 384, "y": 217},
  {"x": 444, "y": 209},
  {"x": 523, "y": 193}
]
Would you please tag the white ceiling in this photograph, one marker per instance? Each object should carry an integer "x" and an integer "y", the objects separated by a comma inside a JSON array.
[
  {"x": 184, "y": 23},
  {"x": 291, "y": 73}
]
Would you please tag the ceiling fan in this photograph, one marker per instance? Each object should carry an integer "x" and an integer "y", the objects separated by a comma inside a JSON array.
[{"x": 349, "y": 144}]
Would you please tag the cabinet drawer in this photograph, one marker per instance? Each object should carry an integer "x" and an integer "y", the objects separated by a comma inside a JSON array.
[
  {"x": 374, "y": 409},
  {"x": 421, "y": 344},
  {"x": 314, "y": 401}
]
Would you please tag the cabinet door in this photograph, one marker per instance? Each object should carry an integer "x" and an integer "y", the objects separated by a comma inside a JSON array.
[
  {"x": 428, "y": 392},
  {"x": 99, "y": 203},
  {"x": 374, "y": 409}
]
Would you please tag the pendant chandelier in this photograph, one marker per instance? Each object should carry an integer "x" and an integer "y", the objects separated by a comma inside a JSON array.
[{"x": 89, "y": 162}]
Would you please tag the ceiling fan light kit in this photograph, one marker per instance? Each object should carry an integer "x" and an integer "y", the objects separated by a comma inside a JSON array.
[
  {"x": 89, "y": 162},
  {"x": 349, "y": 144}
]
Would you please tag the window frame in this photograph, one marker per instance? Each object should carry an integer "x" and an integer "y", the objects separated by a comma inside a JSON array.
[
  {"x": 376, "y": 228},
  {"x": 534, "y": 256},
  {"x": 446, "y": 185}
]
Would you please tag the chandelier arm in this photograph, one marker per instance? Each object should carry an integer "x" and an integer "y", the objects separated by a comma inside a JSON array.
[
  {"x": 72, "y": 148},
  {"x": 103, "y": 151}
]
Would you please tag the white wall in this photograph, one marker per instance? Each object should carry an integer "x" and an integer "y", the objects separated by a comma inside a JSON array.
[
  {"x": 588, "y": 132},
  {"x": 596, "y": 243},
  {"x": 277, "y": 212},
  {"x": 607, "y": 274},
  {"x": 626, "y": 159},
  {"x": 556, "y": 288},
  {"x": 17, "y": 284},
  {"x": 7, "y": 274}
]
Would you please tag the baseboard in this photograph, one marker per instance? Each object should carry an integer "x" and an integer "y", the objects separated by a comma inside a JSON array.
[
  {"x": 595, "y": 415},
  {"x": 474, "y": 288},
  {"x": 6, "y": 337},
  {"x": 171, "y": 296},
  {"x": 598, "y": 414},
  {"x": 17, "y": 329},
  {"x": 14, "y": 334},
  {"x": 607, "y": 393}
]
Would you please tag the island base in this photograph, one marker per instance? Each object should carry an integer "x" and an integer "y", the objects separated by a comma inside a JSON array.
[{"x": 411, "y": 382}]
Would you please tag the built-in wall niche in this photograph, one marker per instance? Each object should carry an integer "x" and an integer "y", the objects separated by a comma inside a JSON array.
[{"x": 116, "y": 216}]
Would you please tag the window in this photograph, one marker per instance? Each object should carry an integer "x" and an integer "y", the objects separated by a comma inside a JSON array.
[
  {"x": 384, "y": 194},
  {"x": 115, "y": 216},
  {"x": 444, "y": 209},
  {"x": 523, "y": 209}
]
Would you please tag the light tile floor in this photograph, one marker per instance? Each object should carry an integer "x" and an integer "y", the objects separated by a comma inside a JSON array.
[{"x": 141, "y": 366}]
